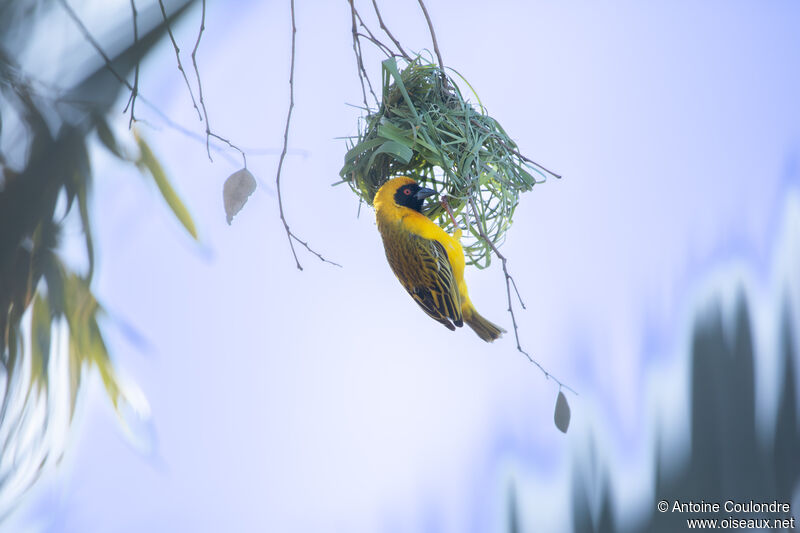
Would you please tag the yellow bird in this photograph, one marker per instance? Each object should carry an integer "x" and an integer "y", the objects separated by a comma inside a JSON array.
[{"x": 427, "y": 261}]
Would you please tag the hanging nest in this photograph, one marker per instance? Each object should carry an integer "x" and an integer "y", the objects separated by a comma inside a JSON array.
[{"x": 426, "y": 130}]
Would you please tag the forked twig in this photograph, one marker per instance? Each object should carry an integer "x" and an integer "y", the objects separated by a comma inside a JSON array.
[
  {"x": 362, "y": 72},
  {"x": 377, "y": 43},
  {"x": 516, "y": 152},
  {"x": 178, "y": 56},
  {"x": 509, "y": 282},
  {"x": 447, "y": 208},
  {"x": 386, "y": 50},
  {"x": 289, "y": 234},
  {"x": 200, "y": 83},
  {"x": 135, "y": 87},
  {"x": 203, "y": 117},
  {"x": 95, "y": 44},
  {"x": 387, "y": 32},
  {"x": 135, "y": 90},
  {"x": 435, "y": 43}
]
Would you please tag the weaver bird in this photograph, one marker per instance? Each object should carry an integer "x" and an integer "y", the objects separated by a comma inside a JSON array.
[{"x": 428, "y": 262}]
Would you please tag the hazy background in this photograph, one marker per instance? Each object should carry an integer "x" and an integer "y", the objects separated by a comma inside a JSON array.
[{"x": 324, "y": 400}]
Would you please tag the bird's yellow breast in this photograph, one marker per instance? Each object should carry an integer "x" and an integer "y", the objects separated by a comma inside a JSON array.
[{"x": 393, "y": 220}]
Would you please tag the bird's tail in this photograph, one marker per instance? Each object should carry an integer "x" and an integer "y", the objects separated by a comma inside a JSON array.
[{"x": 485, "y": 329}]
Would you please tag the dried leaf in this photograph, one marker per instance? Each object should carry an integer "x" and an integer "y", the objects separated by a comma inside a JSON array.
[
  {"x": 562, "y": 414},
  {"x": 237, "y": 189}
]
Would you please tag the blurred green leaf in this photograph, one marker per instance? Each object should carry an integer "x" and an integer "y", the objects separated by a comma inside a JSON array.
[
  {"x": 107, "y": 138},
  {"x": 55, "y": 320},
  {"x": 98, "y": 355},
  {"x": 75, "y": 368},
  {"x": 148, "y": 160},
  {"x": 14, "y": 348},
  {"x": 40, "y": 340},
  {"x": 53, "y": 272},
  {"x": 83, "y": 208},
  {"x": 87, "y": 344}
]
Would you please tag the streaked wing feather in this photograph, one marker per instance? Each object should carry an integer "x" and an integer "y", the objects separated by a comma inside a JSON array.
[{"x": 423, "y": 268}]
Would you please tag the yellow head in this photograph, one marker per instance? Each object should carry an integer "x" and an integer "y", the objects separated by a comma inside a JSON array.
[{"x": 401, "y": 192}]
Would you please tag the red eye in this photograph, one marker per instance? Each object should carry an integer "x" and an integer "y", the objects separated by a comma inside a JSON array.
[{"x": 407, "y": 192}]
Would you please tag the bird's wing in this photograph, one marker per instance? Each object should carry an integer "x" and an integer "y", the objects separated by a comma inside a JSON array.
[{"x": 422, "y": 266}]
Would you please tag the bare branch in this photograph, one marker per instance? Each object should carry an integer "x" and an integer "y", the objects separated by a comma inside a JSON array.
[
  {"x": 362, "y": 72},
  {"x": 209, "y": 132},
  {"x": 199, "y": 81},
  {"x": 375, "y": 40},
  {"x": 355, "y": 17},
  {"x": 517, "y": 152},
  {"x": 435, "y": 44},
  {"x": 377, "y": 43},
  {"x": 509, "y": 282},
  {"x": 186, "y": 132},
  {"x": 178, "y": 56},
  {"x": 286, "y": 143},
  {"x": 289, "y": 235},
  {"x": 95, "y": 44},
  {"x": 135, "y": 88},
  {"x": 359, "y": 63},
  {"x": 386, "y": 30},
  {"x": 135, "y": 91}
]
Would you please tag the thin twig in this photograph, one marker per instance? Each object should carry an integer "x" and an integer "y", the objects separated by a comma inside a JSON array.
[
  {"x": 171, "y": 124},
  {"x": 178, "y": 57},
  {"x": 516, "y": 152},
  {"x": 197, "y": 74},
  {"x": 362, "y": 72},
  {"x": 446, "y": 206},
  {"x": 509, "y": 283},
  {"x": 531, "y": 161},
  {"x": 435, "y": 43},
  {"x": 386, "y": 49},
  {"x": 199, "y": 81},
  {"x": 289, "y": 235},
  {"x": 209, "y": 132},
  {"x": 377, "y": 43},
  {"x": 359, "y": 63},
  {"x": 95, "y": 44},
  {"x": 135, "y": 91},
  {"x": 188, "y": 133},
  {"x": 527, "y": 159},
  {"x": 386, "y": 30},
  {"x": 286, "y": 143}
]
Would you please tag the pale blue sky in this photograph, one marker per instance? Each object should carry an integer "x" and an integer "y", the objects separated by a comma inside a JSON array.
[{"x": 289, "y": 401}]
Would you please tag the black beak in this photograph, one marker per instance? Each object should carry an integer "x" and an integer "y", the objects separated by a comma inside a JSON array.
[{"x": 423, "y": 193}]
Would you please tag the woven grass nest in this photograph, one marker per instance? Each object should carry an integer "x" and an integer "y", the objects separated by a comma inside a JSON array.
[{"x": 425, "y": 129}]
